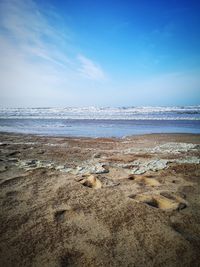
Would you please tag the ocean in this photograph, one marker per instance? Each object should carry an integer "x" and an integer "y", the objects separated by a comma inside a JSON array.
[{"x": 100, "y": 122}]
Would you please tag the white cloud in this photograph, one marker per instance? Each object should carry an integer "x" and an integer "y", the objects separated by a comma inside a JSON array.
[
  {"x": 41, "y": 66},
  {"x": 38, "y": 60},
  {"x": 28, "y": 29},
  {"x": 90, "y": 70}
]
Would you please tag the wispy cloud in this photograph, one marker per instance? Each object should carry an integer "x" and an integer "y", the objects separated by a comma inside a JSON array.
[
  {"x": 39, "y": 57},
  {"x": 42, "y": 65},
  {"x": 25, "y": 26},
  {"x": 90, "y": 70}
]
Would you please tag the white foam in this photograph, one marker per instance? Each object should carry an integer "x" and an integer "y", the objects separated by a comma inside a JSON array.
[{"x": 104, "y": 113}]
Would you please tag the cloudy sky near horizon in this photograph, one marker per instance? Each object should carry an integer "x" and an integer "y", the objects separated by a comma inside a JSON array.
[{"x": 103, "y": 53}]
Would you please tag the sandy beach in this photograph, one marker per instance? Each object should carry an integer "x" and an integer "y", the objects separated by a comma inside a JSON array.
[{"x": 91, "y": 202}]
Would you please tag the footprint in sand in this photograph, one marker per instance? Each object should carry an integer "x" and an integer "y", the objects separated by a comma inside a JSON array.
[
  {"x": 69, "y": 259},
  {"x": 164, "y": 201},
  {"x": 144, "y": 180},
  {"x": 11, "y": 181},
  {"x": 63, "y": 214},
  {"x": 92, "y": 182},
  {"x": 101, "y": 182},
  {"x": 59, "y": 216},
  {"x": 12, "y": 193}
]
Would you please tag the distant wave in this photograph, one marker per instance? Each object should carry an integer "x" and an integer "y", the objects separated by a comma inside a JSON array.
[{"x": 104, "y": 113}]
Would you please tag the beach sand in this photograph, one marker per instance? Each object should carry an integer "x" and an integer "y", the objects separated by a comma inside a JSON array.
[{"x": 100, "y": 202}]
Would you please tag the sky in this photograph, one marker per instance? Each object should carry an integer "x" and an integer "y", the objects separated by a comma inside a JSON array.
[{"x": 56, "y": 53}]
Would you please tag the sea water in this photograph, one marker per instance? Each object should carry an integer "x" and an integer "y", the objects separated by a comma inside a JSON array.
[{"x": 100, "y": 122}]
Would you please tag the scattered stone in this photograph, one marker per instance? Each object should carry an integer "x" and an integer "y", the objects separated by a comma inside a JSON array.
[
  {"x": 35, "y": 164},
  {"x": 171, "y": 147},
  {"x": 140, "y": 167},
  {"x": 131, "y": 150},
  {"x": 89, "y": 168},
  {"x": 189, "y": 160},
  {"x": 64, "y": 168},
  {"x": 175, "y": 148},
  {"x": 136, "y": 167}
]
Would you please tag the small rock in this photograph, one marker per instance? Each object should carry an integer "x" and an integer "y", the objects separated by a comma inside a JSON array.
[
  {"x": 32, "y": 162},
  {"x": 92, "y": 169},
  {"x": 63, "y": 168},
  {"x": 189, "y": 160},
  {"x": 175, "y": 148},
  {"x": 150, "y": 165}
]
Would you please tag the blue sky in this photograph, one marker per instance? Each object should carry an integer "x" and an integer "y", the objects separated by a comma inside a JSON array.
[{"x": 99, "y": 53}]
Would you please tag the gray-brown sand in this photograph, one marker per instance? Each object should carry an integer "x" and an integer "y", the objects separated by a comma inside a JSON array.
[{"x": 100, "y": 202}]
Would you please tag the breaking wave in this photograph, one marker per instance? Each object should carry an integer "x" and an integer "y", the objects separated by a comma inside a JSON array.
[{"x": 104, "y": 113}]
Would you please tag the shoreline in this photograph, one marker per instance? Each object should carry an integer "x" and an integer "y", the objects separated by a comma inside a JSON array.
[
  {"x": 98, "y": 128},
  {"x": 99, "y": 137},
  {"x": 82, "y": 201}
]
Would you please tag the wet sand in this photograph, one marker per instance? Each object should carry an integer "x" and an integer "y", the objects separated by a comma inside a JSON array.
[{"x": 100, "y": 202}]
